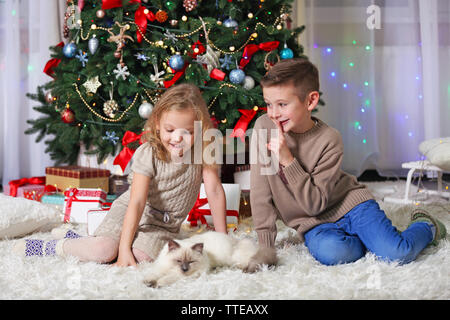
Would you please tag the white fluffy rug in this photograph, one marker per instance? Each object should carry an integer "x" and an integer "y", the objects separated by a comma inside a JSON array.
[{"x": 298, "y": 275}]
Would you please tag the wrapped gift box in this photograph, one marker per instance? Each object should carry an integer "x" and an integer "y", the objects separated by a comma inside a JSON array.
[
  {"x": 201, "y": 213},
  {"x": 78, "y": 201},
  {"x": 94, "y": 218},
  {"x": 77, "y": 177},
  {"x": 26, "y": 189},
  {"x": 56, "y": 198}
]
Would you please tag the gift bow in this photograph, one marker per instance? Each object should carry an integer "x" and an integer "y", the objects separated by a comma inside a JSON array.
[
  {"x": 243, "y": 122},
  {"x": 52, "y": 63},
  {"x": 251, "y": 49},
  {"x": 125, "y": 155},
  {"x": 178, "y": 75},
  {"x": 15, "y": 184},
  {"x": 141, "y": 15},
  {"x": 199, "y": 214}
]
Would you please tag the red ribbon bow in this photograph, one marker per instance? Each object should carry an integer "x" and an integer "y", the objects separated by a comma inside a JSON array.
[
  {"x": 251, "y": 49},
  {"x": 15, "y": 184},
  {"x": 198, "y": 214},
  {"x": 52, "y": 63},
  {"x": 243, "y": 122},
  {"x": 125, "y": 155}
]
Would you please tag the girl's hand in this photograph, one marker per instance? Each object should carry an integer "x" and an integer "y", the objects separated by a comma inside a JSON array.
[
  {"x": 279, "y": 147},
  {"x": 125, "y": 259}
]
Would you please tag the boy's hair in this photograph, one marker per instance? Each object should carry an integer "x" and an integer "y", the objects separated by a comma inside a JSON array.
[
  {"x": 178, "y": 97},
  {"x": 298, "y": 71}
]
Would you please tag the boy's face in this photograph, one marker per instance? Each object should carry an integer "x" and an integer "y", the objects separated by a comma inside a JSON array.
[
  {"x": 284, "y": 106},
  {"x": 177, "y": 131}
]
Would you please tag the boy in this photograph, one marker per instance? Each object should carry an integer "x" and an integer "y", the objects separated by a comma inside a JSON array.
[{"x": 336, "y": 216}]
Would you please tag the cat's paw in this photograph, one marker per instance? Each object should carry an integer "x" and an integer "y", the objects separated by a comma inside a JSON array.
[
  {"x": 151, "y": 283},
  {"x": 252, "y": 266}
]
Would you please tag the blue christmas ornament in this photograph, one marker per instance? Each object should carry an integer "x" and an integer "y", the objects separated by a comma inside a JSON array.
[
  {"x": 237, "y": 76},
  {"x": 69, "y": 50},
  {"x": 286, "y": 53},
  {"x": 176, "y": 62}
]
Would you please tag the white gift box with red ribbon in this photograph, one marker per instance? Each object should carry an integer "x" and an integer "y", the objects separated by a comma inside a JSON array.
[
  {"x": 201, "y": 211},
  {"x": 78, "y": 201},
  {"x": 95, "y": 218}
]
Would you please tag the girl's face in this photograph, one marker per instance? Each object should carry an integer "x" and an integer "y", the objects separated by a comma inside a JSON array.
[{"x": 176, "y": 131}]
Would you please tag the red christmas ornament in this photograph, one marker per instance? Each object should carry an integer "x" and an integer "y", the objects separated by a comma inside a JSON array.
[
  {"x": 161, "y": 16},
  {"x": 68, "y": 116}
]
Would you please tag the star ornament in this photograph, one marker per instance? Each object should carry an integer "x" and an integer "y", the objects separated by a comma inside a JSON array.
[{"x": 92, "y": 84}]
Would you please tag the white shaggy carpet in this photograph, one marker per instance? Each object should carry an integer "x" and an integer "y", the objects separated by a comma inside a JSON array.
[{"x": 298, "y": 275}]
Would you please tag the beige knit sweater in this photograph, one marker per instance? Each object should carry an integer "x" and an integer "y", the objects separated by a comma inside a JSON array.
[
  {"x": 173, "y": 187},
  {"x": 309, "y": 191}
]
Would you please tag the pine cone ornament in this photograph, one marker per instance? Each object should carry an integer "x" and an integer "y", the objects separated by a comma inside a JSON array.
[
  {"x": 161, "y": 16},
  {"x": 190, "y": 5}
]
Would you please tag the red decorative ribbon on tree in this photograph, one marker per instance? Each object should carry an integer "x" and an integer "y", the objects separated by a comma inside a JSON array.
[
  {"x": 52, "y": 63},
  {"x": 15, "y": 184},
  {"x": 178, "y": 75},
  {"x": 141, "y": 15},
  {"x": 251, "y": 49},
  {"x": 125, "y": 155},
  {"x": 242, "y": 124}
]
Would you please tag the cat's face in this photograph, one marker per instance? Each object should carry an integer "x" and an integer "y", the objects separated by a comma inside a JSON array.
[{"x": 187, "y": 259}]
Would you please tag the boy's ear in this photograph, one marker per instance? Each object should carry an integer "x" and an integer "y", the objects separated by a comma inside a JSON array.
[{"x": 313, "y": 100}]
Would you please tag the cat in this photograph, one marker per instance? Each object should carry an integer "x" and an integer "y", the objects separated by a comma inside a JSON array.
[{"x": 198, "y": 254}]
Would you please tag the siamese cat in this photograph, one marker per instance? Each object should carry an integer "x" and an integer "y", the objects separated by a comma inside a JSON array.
[{"x": 201, "y": 253}]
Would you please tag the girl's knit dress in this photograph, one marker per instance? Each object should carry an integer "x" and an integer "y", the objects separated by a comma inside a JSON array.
[{"x": 172, "y": 193}]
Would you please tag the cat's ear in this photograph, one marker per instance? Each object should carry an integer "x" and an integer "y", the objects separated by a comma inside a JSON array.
[
  {"x": 198, "y": 247},
  {"x": 173, "y": 245}
]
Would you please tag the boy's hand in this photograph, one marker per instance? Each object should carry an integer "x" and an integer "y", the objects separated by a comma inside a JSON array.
[{"x": 279, "y": 147}]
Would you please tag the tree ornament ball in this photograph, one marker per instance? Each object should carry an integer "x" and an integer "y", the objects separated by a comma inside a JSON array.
[
  {"x": 110, "y": 108},
  {"x": 49, "y": 98},
  {"x": 286, "y": 53},
  {"x": 176, "y": 62},
  {"x": 249, "y": 83},
  {"x": 230, "y": 23},
  {"x": 161, "y": 16},
  {"x": 100, "y": 14},
  {"x": 237, "y": 76},
  {"x": 190, "y": 5},
  {"x": 145, "y": 109},
  {"x": 70, "y": 50},
  {"x": 68, "y": 116}
]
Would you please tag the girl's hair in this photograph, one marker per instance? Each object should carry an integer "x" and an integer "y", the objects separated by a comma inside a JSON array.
[{"x": 178, "y": 97}]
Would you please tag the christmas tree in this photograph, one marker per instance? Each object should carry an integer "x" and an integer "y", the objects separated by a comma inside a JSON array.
[{"x": 120, "y": 55}]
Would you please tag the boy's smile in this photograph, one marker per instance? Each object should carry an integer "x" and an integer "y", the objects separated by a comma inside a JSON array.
[{"x": 284, "y": 106}]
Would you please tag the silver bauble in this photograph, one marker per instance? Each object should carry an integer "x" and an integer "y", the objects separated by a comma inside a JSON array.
[
  {"x": 248, "y": 83},
  {"x": 100, "y": 14},
  {"x": 145, "y": 109},
  {"x": 93, "y": 44}
]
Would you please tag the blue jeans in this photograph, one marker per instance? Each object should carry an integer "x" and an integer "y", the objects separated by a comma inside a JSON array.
[{"x": 363, "y": 228}]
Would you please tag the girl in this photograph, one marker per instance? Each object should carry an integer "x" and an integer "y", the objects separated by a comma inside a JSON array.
[{"x": 163, "y": 190}]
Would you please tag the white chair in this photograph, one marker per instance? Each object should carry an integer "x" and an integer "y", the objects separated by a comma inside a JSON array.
[{"x": 422, "y": 167}]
